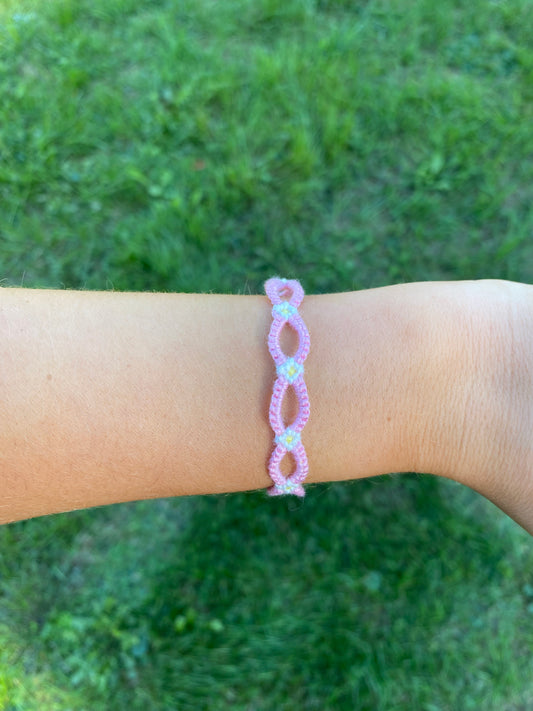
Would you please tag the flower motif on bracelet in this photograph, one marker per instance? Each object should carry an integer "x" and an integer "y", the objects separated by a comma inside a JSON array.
[
  {"x": 290, "y": 370},
  {"x": 287, "y": 487},
  {"x": 285, "y": 310},
  {"x": 289, "y": 439}
]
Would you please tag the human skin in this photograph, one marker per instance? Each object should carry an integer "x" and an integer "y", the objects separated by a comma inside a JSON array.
[{"x": 117, "y": 396}]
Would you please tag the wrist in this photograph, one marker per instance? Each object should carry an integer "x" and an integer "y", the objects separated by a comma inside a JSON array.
[
  {"x": 403, "y": 377},
  {"x": 495, "y": 456},
  {"x": 476, "y": 421},
  {"x": 377, "y": 374}
]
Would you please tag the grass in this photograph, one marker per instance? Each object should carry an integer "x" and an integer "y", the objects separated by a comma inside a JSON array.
[{"x": 202, "y": 146}]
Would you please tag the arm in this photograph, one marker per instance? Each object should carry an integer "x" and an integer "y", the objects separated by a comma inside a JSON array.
[{"x": 111, "y": 397}]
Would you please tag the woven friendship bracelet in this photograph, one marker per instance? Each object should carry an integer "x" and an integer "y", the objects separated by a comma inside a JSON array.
[{"x": 290, "y": 372}]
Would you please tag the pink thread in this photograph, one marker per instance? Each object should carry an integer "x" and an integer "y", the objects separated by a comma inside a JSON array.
[{"x": 290, "y": 372}]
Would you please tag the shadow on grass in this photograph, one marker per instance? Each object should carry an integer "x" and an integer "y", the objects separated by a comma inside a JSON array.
[
  {"x": 316, "y": 603},
  {"x": 313, "y": 603}
]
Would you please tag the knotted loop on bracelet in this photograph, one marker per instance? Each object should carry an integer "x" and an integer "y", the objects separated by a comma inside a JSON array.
[
  {"x": 290, "y": 373},
  {"x": 276, "y": 287}
]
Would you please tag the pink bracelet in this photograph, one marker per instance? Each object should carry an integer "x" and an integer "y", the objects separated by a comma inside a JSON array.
[{"x": 290, "y": 371}]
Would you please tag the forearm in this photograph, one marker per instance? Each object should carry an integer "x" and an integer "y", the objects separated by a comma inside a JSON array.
[{"x": 111, "y": 397}]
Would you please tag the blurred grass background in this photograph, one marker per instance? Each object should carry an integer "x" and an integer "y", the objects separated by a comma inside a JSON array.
[{"x": 199, "y": 146}]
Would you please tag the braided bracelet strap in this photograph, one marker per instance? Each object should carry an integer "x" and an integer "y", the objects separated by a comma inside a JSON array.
[{"x": 290, "y": 372}]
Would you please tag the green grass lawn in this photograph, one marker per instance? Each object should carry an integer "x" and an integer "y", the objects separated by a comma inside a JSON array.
[{"x": 193, "y": 145}]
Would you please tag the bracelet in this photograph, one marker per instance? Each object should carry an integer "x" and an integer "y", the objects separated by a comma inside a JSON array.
[{"x": 290, "y": 371}]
